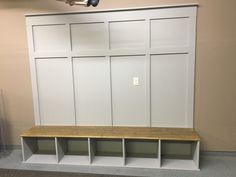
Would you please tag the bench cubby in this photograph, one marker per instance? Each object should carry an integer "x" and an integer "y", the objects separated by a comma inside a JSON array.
[
  {"x": 39, "y": 150},
  {"x": 108, "y": 152},
  {"x": 142, "y": 153},
  {"x": 180, "y": 154},
  {"x": 138, "y": 147},
  {"x": 73, "y": 151}
]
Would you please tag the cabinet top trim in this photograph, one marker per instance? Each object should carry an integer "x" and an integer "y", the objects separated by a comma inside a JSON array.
[
  {"x": 114, "y": 10},
  {"x": 154, "y": 133}
]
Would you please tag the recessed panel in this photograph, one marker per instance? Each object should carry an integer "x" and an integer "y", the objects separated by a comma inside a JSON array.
[
  {"x": 127, "y": 34},
  {"x": 91, "y": 36},
  {"x": 50, "y": 38},
  {"x": 92, "y": 88},
  {"x": 169, "y": 32},
  {"x": 128, "y": 97},
  {"x": 169, "y": 90},
  {"x": 55, "y": 91}
]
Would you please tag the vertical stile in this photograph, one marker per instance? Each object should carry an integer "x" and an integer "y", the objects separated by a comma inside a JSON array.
[
  {"x": 23, "y": 149},
  {"x": 148, "y": 72},
  {"x": 57, "y": 150},
  {"x": 159, "y": 152},
  {"x": 91, "y": 150},
  {"x": 196, "y": 153},
  {"x": 60, "y": 148},
  {"x": 124, "y": 152}
]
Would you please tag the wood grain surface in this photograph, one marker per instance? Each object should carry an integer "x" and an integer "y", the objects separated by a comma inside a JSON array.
[{"x": 181, "y": 134}]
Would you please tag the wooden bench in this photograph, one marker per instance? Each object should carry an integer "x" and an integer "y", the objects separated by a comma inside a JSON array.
[{"x": 170, "y": 148}]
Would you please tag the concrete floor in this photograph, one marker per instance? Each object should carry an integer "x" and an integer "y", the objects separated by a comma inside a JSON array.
[{"x": 212, "y": 165}]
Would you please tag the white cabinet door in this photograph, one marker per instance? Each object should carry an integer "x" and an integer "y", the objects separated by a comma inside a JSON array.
[{"x": 55, "y": 91}]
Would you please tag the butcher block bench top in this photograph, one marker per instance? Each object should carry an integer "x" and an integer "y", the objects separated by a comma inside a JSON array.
[{"x": 178, "y": 134}]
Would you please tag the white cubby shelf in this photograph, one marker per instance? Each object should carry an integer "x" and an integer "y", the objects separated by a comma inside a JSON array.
[{"x": 137, "y": 147}]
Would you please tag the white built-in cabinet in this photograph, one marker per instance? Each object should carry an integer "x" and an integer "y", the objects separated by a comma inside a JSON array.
[
  {"x": 136, "y": 153},
  {"x": 114, "y": 68}
]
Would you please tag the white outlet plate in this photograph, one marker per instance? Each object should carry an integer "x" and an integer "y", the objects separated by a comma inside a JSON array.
[{"x": 135, "y": 81}]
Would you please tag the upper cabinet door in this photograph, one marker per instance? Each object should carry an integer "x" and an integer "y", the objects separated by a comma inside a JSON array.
[{"x": 55, "y": 91}]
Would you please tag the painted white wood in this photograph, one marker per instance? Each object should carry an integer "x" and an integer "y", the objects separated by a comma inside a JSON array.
[
  {"x": 91, "y": 146},
  {"x": 33, "y": 71},
  {"x": 112, "y": 52},
  {"x": 60, "y": 148},
  {"x": 142, "y": 162},
  {"x": 92, "y": 91},
  {"x": 169, "y": 32},
  {"x": 137, "y": 162},
  {"x": 128, "y": 101},
  {"x": 181, "y": 161},
  {"x": 159, "y": 153},
  {"x": 55, "y": 89},
  {"x": 24, "y": 156},
  {"x": 29, "y": 146},
  {"x": 109, "y": 49},
  {"x": 117, "y": 9},
  {"x": 191, "y": 71},
  {"x": 127, "y": 34},
  {"x": 169, "y": 88},
  {"x": 89, "y": 36},
  {"x": 148, "y": 69},
  {"x": 50, "y": 38},
  {"x": 108, "y": 161},
  {"x": 124, "y": 151},
  {"x": 75, "y": 160},
  {"x": 119, "y": 15},
  {"x": 42, "y": 159},
  {"x": 196, "y": 153},
  {"x": 179, "y": 164}
]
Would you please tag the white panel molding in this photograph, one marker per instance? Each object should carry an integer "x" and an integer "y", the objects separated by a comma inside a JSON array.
[
  {"x": 117, "y": 9},
  {"x": 79, "y": 22},
  {"x": 33, "y": 71},
  {"x": 55, "y": 90},
  {"x": 129, "y": 101},
  {"x": 148, "y": 69},
  {"x": 92, "y": 91},
  {"x": 191, "y": 71}
]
